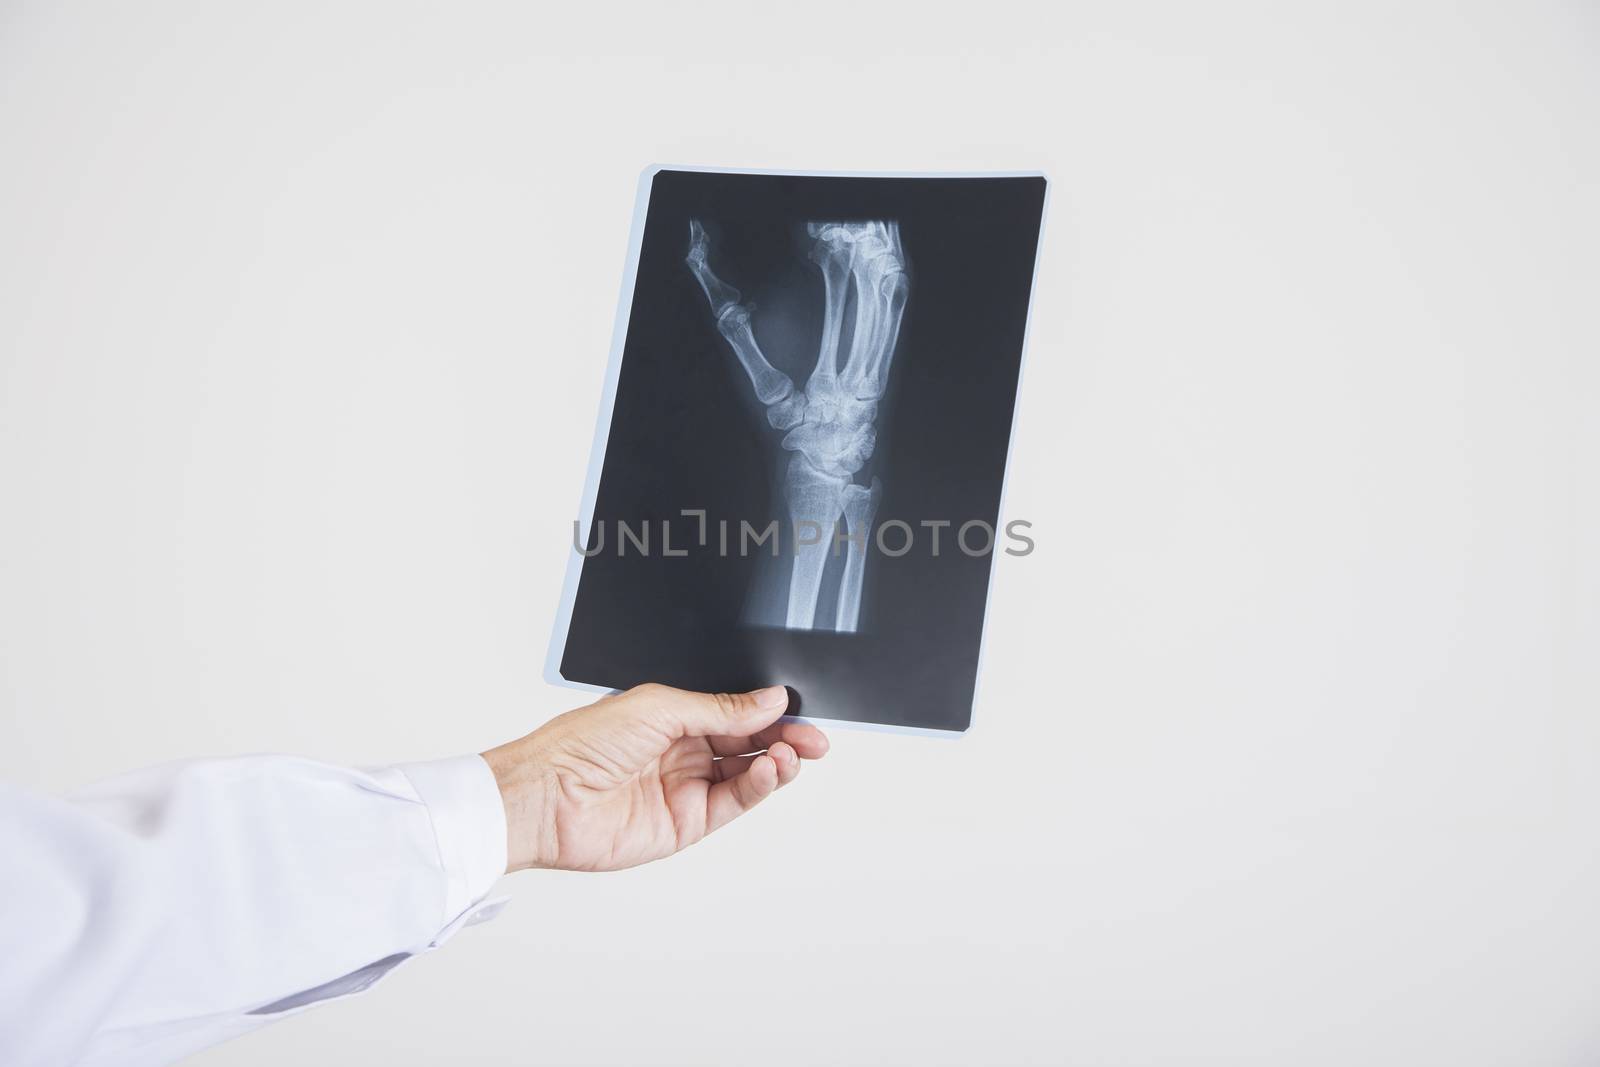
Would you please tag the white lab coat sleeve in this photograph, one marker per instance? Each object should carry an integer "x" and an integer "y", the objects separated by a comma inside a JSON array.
[{"x": 149, "y": 916}]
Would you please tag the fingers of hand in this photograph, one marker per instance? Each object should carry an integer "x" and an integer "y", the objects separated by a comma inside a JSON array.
[
  {"x": 782, "y": 754},
  {"x": 729, "y": 799},
  {"x": 730, "y": 767},
  {"x": 787, "y": 761},
  {"x": 805, "y": 739},
  {"x": 705, "y": 714}
]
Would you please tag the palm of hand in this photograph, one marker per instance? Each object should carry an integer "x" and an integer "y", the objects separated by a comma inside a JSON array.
[{"x": 609, "y": 816}]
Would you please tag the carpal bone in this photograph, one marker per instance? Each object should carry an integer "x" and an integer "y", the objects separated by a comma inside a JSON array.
[
  {"x": 787, "y": 414},
  {"x": 833, "y": 446}
]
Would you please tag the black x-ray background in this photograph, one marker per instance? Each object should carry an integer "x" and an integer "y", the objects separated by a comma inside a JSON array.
[{"x": 687, "y": 433}]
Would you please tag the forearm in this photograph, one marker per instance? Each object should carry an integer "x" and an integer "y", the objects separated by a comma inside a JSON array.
[{"x": 184, "y": 896}]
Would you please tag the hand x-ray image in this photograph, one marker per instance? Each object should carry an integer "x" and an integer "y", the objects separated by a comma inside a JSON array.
[
  {"x": 801, "y": 450},
  {"x": 829, "y": 426}
]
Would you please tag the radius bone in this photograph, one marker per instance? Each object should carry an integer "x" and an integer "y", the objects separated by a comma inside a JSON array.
[{"x": 815, "y": 501}]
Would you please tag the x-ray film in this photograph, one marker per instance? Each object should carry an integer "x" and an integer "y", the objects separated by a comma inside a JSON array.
[{"x": 797, "y": 472}]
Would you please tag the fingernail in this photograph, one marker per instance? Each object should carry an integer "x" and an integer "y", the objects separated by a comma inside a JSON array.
[{"x": 773, "y": 696}]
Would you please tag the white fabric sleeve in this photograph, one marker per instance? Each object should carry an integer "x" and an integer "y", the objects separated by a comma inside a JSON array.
[{"x": 155, "y": 914}]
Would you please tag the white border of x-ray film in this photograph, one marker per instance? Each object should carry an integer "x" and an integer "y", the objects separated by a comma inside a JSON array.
[{"x": 608, "y": 398}]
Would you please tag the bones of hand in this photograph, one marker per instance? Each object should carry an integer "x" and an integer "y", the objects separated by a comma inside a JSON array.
[
  {"x": 829, "y": 425},
  {"x": 733, "y": 321}
]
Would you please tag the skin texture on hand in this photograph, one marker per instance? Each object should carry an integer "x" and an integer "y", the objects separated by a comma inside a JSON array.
[{"x": 640, "y": 775}]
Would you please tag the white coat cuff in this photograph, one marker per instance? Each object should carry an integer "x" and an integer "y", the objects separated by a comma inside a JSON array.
[{"x": 469, "y": 824}]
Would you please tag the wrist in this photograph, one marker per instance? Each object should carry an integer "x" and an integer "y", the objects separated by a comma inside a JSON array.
[{"x": 527, "y": 792}]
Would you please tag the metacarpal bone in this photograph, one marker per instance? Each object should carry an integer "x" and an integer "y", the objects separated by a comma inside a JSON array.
[
  {"x": 878, "y": 273},
  {"x": 771, "y": 384},
  {"x": 833, "y": 251},
  {"x": 868, "y": 370}
]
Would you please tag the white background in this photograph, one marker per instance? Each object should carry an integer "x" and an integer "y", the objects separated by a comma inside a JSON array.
[{"x": 1287, "y": 740}]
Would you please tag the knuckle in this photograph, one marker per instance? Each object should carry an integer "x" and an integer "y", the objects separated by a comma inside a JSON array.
[
  {"x": 653, "y": 702},
  {"x": 728, "y": 704}
]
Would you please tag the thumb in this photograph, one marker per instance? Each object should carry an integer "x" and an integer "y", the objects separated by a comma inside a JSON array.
[{"x": 688, "y": 714}]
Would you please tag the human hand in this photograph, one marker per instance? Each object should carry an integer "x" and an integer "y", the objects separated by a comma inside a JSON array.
[{"x": 640, "y": 775}]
